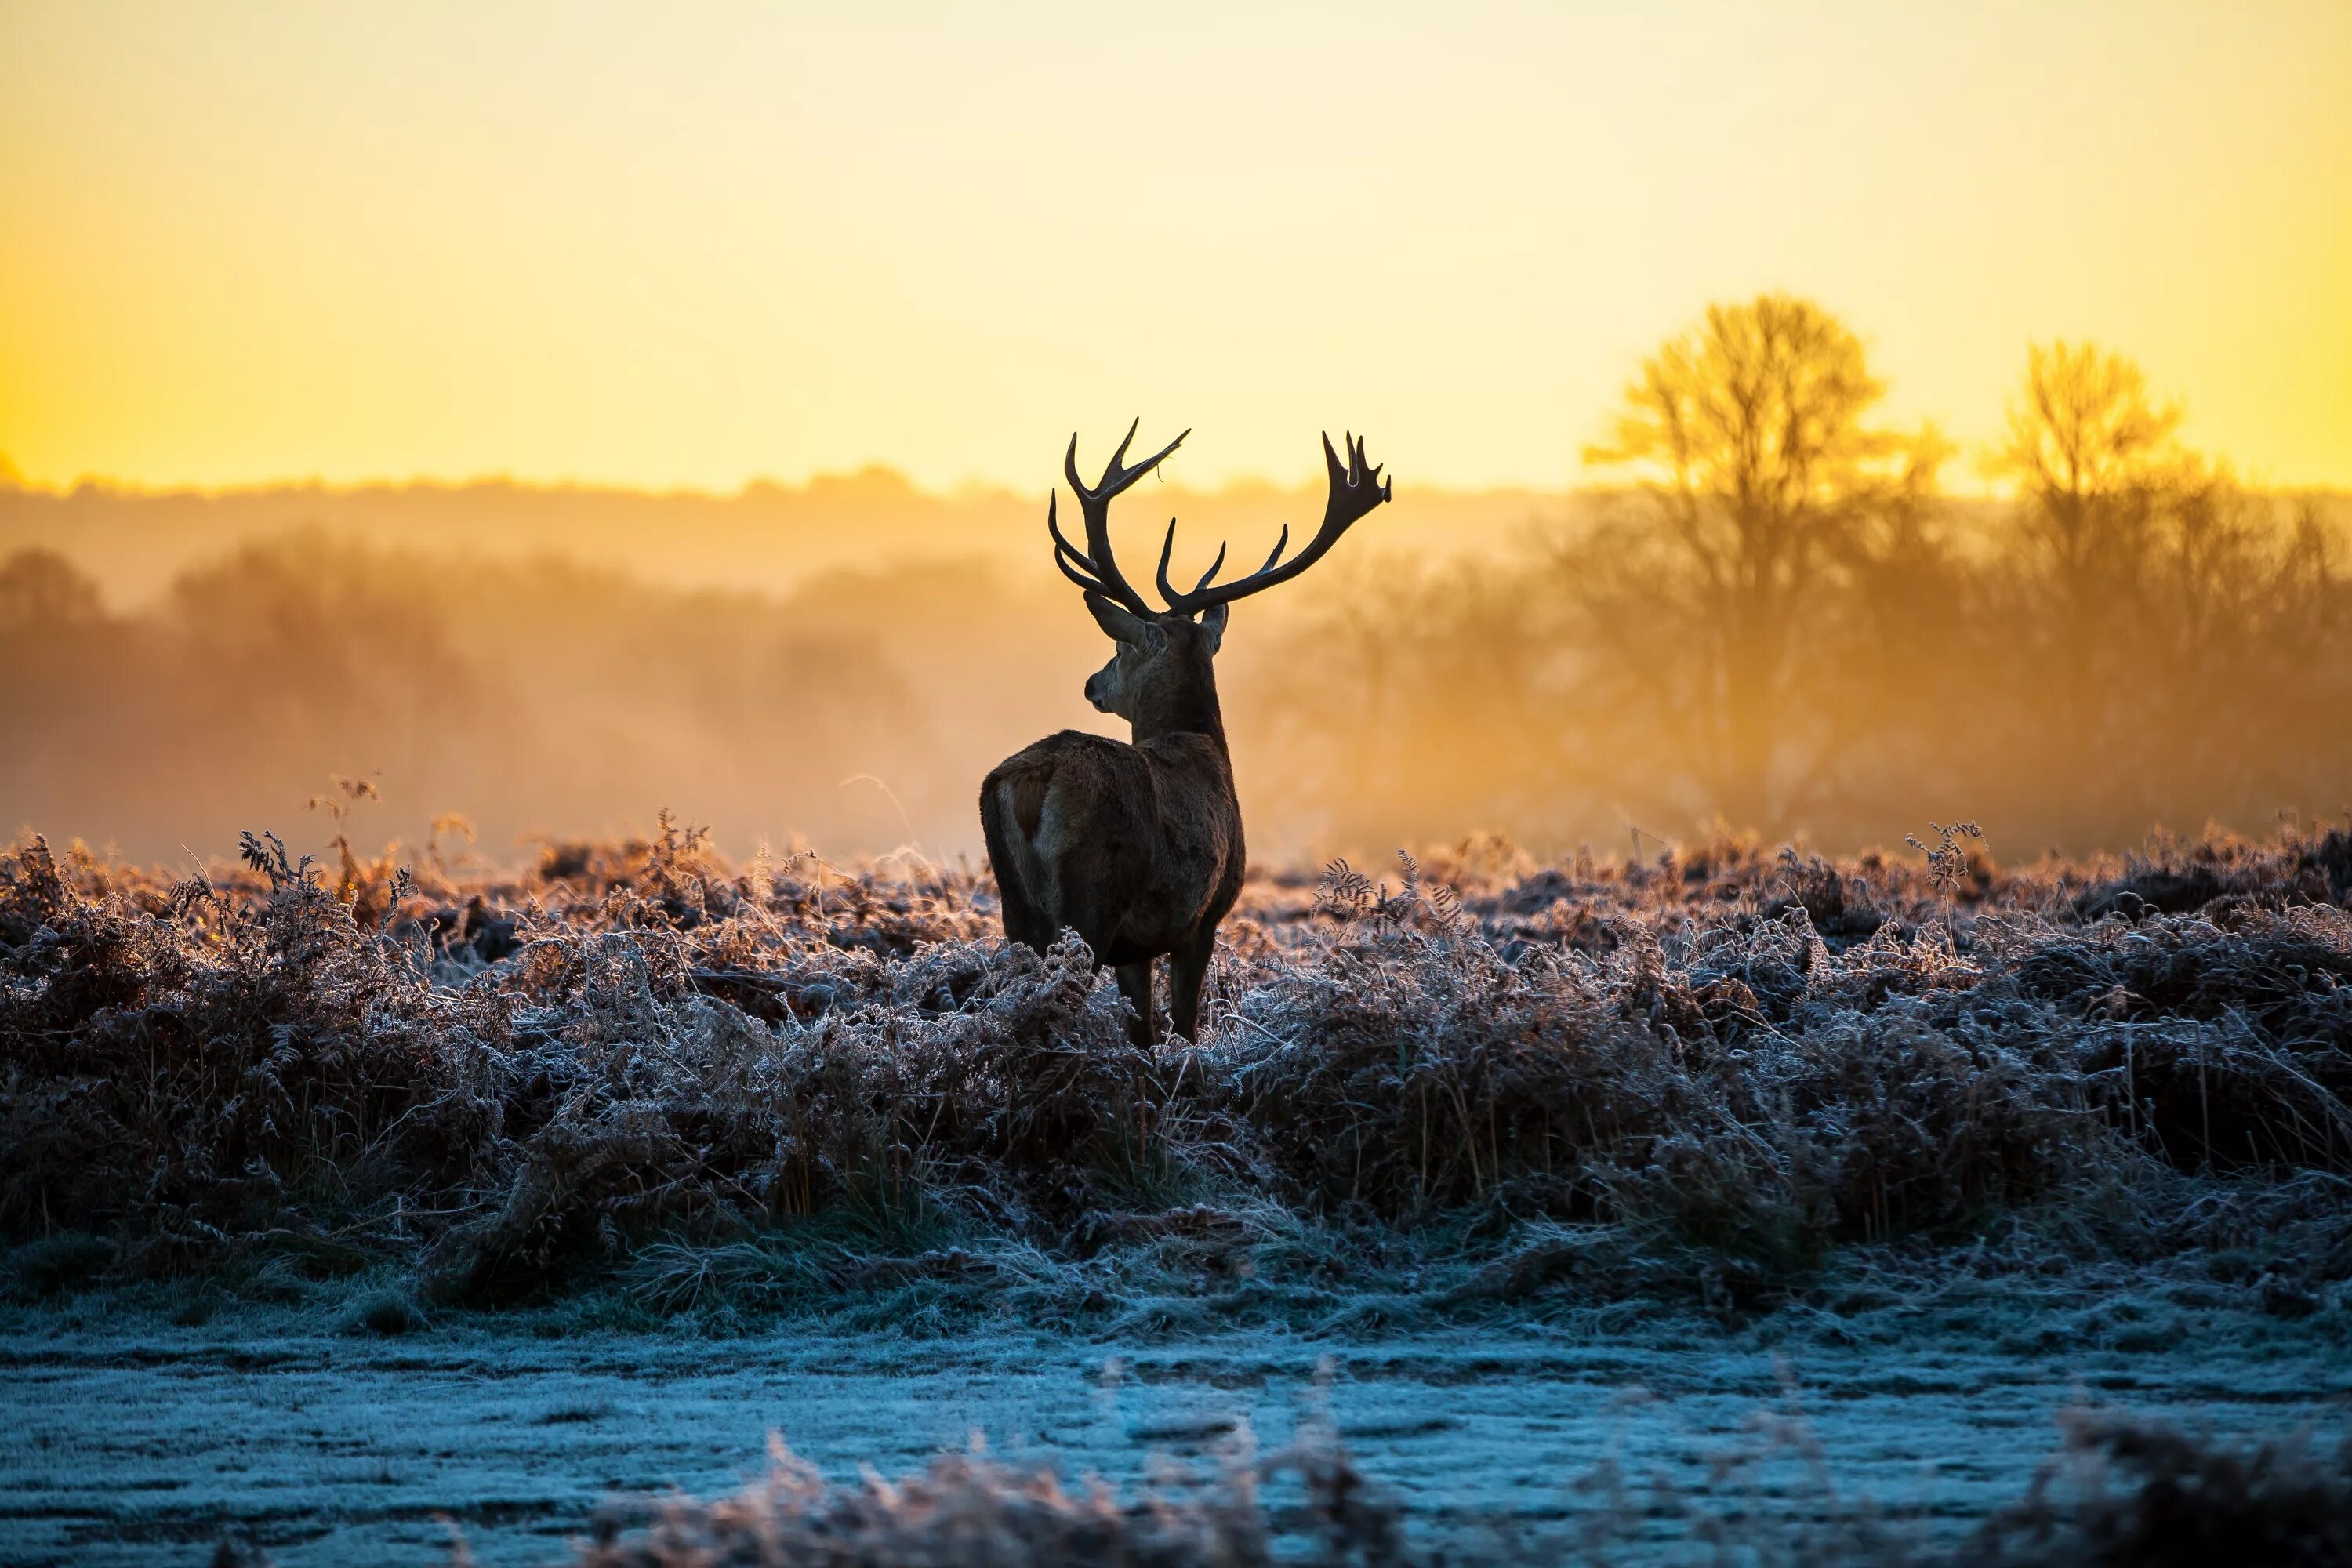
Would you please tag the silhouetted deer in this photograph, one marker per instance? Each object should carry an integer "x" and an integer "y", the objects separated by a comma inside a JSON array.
[{"x": 1138, "y": 848}]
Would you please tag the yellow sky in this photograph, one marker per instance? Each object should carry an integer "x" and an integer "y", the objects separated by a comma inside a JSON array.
[{"x": 688, "y": 245}]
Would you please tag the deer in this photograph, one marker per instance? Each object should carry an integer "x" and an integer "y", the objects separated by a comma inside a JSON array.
[{"x": 1137, "y": 844}]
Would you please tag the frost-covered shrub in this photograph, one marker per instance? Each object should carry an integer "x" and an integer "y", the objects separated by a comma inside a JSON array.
[
  {"x": 510, "y": 1078},
  {"x": 965, "y": 1508},
  {"x": 2122, "y": 1494},
  {"x": 2126, "y": 1493}
]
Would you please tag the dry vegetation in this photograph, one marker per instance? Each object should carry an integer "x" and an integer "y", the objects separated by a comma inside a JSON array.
[
  {"x": 2120, "y": 1494},
  {"x": 1482, "y": 1086},
  {"x": 638, "y": 1083}
]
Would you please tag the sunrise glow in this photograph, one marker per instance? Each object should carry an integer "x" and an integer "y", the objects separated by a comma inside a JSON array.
[{"x": 691, "y": 247}]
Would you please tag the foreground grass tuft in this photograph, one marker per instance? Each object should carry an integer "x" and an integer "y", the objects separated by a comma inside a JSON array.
[{"x": 2121, "y": 1494}]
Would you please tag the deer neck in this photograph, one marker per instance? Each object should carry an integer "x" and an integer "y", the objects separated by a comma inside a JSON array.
[{"x": 1185, "y": 706}]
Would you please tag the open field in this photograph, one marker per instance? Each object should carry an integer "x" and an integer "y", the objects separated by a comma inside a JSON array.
[
  {"x": 690, "y": 1150},
  {"x": 145, "y": 1443}
]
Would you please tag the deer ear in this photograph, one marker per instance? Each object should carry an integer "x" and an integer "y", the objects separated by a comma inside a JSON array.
[
  {"x": 1212, "y": 621},
  {"x": 1119, "y": 623}
]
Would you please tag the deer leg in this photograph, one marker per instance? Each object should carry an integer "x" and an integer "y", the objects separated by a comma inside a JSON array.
[
  {"x": 1024, "y": 920},
  {"x": 1135, "y": 985},
  {"x": 1187, "y": 967}
]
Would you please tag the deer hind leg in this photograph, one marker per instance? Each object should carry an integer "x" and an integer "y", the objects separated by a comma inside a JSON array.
[
  {"x": 1135, "y": 985},
  {"x": 1188, "y": 967}
]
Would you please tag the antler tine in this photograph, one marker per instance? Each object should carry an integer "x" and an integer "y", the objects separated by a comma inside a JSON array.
[
  {"x": 1115, "y": 479},
  {"x": 1099, "y": 563},
  {"x": 1274, "y": 555},
  {"x": 1124, "y": 443},
  {"x": 1067, "y": 556},
  {"x": 1168, "y": 548},
  {"x": 1356, "y": 489}
]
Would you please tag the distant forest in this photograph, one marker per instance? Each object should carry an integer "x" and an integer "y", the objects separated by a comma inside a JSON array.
[{"x": 1774, "y": 619}]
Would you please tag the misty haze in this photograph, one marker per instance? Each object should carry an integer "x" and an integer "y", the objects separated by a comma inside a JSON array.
[{"x": 1043, "y": 786}]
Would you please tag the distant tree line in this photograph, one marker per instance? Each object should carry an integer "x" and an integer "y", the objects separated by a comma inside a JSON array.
[
  {"x": 1783, "y": 624},
  {"x": 530, "y": 697},
  {"x": 1781, "y": 621}
]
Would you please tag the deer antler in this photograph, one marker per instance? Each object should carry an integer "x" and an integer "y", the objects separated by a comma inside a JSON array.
[
  {"x": 1096, "y": 569},
  {"x": 1356, "y": 489}
]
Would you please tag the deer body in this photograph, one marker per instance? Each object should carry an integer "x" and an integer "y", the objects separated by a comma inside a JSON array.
[
  {"x": 1137, "y": 845},
  {"x": 1136, "y": 848}
]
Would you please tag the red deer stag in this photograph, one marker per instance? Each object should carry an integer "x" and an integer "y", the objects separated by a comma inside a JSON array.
[{"x": 1138, "y": 848}]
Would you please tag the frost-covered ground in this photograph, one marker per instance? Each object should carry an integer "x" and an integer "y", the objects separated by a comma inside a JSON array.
[
  {"x": 144, "y": 1442},
  {"x": 334, "y": 1202}
]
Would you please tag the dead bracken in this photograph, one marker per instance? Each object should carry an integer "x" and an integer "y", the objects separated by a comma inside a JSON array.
[
  {"x": 2119, "y": 1494},
  {"x": 1700, "y": 1075}
]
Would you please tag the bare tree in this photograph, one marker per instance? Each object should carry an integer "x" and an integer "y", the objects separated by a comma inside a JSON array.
[
  {"x": 1764, "y": 488},
  {"x": 2096, "y": 461},
  {"x": 2170, "y": 638},
  {"x": 42, "y": 594}
]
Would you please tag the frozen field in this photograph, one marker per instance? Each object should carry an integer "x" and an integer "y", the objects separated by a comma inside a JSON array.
[
  {"x": 146, "y": 1446},
  {"x": 1776, "y": 1189}
]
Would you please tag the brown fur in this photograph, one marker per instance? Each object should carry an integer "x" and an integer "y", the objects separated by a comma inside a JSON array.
[
  {"x": 1029, "y": 786},
  {"x": 1136, "y": 848}
]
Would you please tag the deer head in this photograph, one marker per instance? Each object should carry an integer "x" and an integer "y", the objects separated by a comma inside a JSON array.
[{"x": 1161, "y": 676}]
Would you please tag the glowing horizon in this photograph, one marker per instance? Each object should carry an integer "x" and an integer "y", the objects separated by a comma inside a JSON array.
[{"x": 570, "y": 245}]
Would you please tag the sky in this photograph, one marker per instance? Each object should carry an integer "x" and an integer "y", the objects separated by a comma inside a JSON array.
[{"x": 690, "y": 245}]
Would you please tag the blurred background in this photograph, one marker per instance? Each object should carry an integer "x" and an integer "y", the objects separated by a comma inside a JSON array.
[{"x": 1816, "y": 423}]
